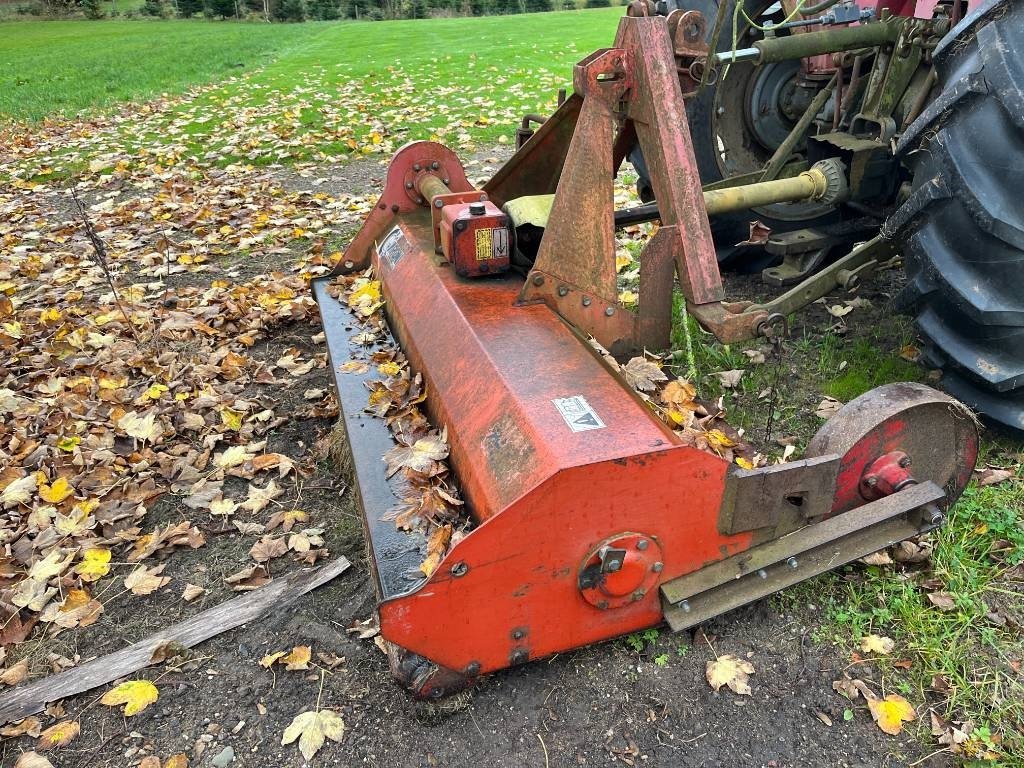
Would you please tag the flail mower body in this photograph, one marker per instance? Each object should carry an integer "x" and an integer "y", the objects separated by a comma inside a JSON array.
[{"x": 592, "y": 517}]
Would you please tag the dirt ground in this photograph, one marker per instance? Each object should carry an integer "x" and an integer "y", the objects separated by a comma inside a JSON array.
[{"x": 606, "y": 704}]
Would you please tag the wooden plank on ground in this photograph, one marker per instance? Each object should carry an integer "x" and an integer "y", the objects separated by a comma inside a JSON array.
[{"x": 27, "y": 699}]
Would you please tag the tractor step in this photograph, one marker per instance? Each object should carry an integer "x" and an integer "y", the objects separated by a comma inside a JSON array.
[
  {"x": 396, "y": 554},
  {"x": 760, "y": 571}
]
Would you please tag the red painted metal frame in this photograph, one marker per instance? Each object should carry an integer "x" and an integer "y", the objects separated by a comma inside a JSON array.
[
  {"x": 545, "y": 496},
  {"x": 633, "y": 87}
]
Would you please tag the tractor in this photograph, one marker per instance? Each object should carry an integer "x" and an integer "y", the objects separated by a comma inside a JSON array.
[{"x": 477, "y": 333}]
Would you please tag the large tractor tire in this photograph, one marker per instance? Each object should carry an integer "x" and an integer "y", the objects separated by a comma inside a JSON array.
[
  {"x": 735, "y": 126},
  {"x": 962, "y": 228}
]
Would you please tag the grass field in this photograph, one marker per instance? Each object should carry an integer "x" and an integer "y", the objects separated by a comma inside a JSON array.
[
  {"x": 60, "y": 67},
  {"x": 322, "y": 93}
]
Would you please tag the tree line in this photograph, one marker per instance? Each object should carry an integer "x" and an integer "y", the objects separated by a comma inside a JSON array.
[{"x": 321, "y": 10}]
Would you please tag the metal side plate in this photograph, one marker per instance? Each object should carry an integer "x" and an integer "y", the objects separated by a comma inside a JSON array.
[
  {"x": 396, "y": 554},
  {"x": 762, "y": 570}
]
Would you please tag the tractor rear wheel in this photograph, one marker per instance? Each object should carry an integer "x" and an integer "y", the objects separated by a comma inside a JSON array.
[{"x": 962, "y": 228}]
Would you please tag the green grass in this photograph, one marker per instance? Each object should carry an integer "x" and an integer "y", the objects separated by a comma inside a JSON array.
[{"x": 51, "y": 68}]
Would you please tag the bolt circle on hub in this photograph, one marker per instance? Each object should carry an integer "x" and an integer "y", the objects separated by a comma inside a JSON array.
[{"x": 621, "y": 570}]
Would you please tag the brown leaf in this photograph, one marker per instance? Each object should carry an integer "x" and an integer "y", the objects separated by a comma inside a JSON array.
[
  {"x": 192, "y": 592},
  {"x": 643, "y": 374},
  {"x": 827, "y": 408},
  {"x": 730, "y": 379},
  {"x": 32, "y": 760},
  {"x": 15, "y": 674},
  {"x": 59, "y": 735},
  {"x": 298, "y": 658},
  {"x": 259, "y": 498},
  {"x": 30, "y": 726},
  {"x": 732, "y": 671},
  {"x": 944, "y": 601},
  {"x": 437, "y": 547},
  {"x": 992, "y": 476},
  {"x": 422, "y": 456},
  {"x": 268, "y": 548},
  {"x": 146, "y": 581}
]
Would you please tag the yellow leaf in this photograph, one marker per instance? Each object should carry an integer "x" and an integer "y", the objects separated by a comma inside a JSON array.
[
  {"x": 718, "y": 440},
  {"x": 310, "y": 728},
  {"x": 745, "y": 463},
  {"x": 389, "y": 369},
  {"x": 50, "y": 315},
  {"x": 56, "y": 493},
  {"x": 136, "y": 695},
  {"x": 95, "y": 564},
  {"x": 231, "y": 419},
  {"x": 155, "y": 392},
  {"x": 891, "y": 712},
  {"x": 59, "y": 735},
  {"x": 68, "y": 444},
  {"x": 176, "y": 761},
  {"x": 622, "y": 261},
  {"x": 271, "y": 658},
  {"x": 877, "y": 644},
  {"x": 298, "y": 658}
]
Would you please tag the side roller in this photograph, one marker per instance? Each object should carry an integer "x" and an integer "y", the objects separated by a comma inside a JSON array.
[{"x": 591, "y": 517}]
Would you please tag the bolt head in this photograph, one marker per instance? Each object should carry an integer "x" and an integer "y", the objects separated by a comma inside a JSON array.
[
  {"x": 473, "y": 668},
  {"x": 435, "y": 165},
  {"x": 872, "y": 481},
  {"x": 562, "y": 290},
  {"x": 416, "y": 167},
  {"x": 793, "y": 563},
  {"x": 408, "y": 185},
  {"x": 460, "y": 569},
  {"x": 639, "y": 595},
  {"x": 642, "y": 544},
  {"x": 685, "y": 605},
  {"x": 349, "y": 265},
  {"x": 518, "y": 634},
  {"x": 657, "y": 567},
  {"x": 438, "y": 203},
  {"x": 905, "y": 461},
  {"x": 609, "y": 311},
  {"x": 586, "y": 301},
  {"x": 538, "y": 279},
  {"x": 603, "y": 605}
]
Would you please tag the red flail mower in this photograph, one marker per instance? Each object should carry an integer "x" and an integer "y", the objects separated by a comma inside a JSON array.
[{"x": 591, "y": 518}]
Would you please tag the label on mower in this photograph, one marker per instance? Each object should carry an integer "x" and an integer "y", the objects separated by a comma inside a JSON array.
[
  {"x": 578, "y": 414},
  {"x": 393, "y": 247},
  {"x": 491, "y": 244}
]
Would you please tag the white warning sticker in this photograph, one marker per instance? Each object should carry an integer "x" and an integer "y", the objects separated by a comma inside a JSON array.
[{"x": 578, "y": 414}]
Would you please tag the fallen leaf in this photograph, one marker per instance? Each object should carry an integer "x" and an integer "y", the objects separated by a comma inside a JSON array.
[
  {"x": 95, "y": 564},
  {"x": 259, "y": 498},
  {"x": 437, "y": 547},
  {"x": 141, "y": 428},
  {"x": 944, "y": 601},
  {"x": 992, "y": 476},
  {"x": 891, "y": 712},
  {"x": 267, "y": 548},
  {"x": 310, "y": 728},
  {"x": 192, "y": 592},
  {"x": 298, "y": 658},
  {"x": 419, "y": 457},
  {"x": 730, "y": 379},
  {"x": 732, "y": 671},
  {"x": 877, "y": 644},
  {"x": 19, "y": 491},
  {"x": 59, "y": 735},
  {"x": 32, "y": 760},
  {"x": 271, "y": 658},
  {"x": 15, "y": 673},
  {"x": 145, "y": 581},
  {"x": 30, "y": 726},
  {"x": 136, "y": 695},
  {"x": 643, "y": 374},
  {"x": 56, "y": 493},
  {"x": 827, "y": 408}
]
